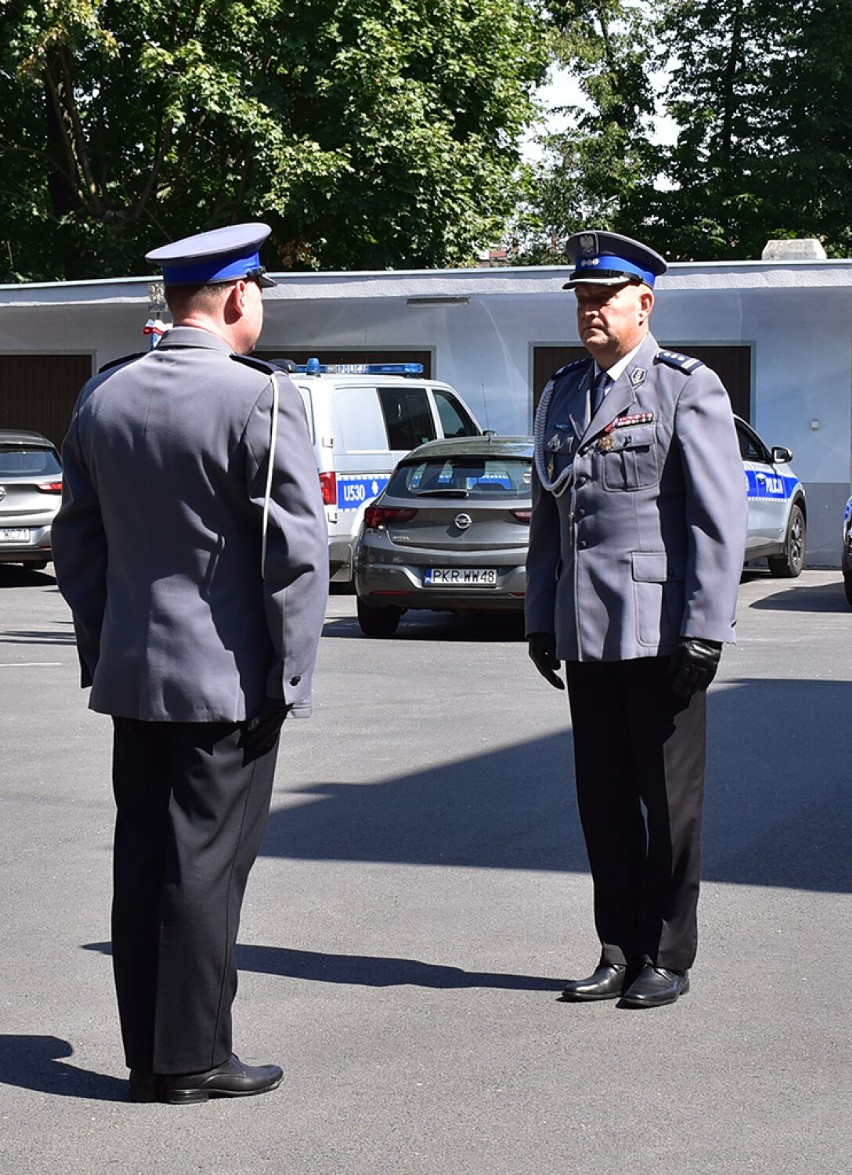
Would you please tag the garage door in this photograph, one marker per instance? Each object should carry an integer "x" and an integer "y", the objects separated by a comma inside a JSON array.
[
  {"x": 731, "y": 364},
  {"x": 38, "y": 392}
]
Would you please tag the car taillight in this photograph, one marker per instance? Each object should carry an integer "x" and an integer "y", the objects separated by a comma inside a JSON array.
[
  {"x": 50, "y": 487},
  {"x": 376, "y": 516},
  {"x": 328, "y": 488},
  {"x": 522, "y": 515}
]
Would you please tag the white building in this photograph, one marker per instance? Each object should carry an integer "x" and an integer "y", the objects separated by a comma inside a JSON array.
[{"x": 778, "y": 332}]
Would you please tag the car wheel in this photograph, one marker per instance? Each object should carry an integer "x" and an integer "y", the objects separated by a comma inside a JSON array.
[
  {"x": 789, "y": 564},
  {"x": 378, "y": 621}
]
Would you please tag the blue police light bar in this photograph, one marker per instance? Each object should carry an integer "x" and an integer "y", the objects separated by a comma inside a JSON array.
[{"x": 314, "y": 367}]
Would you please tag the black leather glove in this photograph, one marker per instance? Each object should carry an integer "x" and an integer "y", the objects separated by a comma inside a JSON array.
[
  {"x": 693, "y": 665},
  {"x": 262, "y": 731},
  {"x": 542, "y": 650}
]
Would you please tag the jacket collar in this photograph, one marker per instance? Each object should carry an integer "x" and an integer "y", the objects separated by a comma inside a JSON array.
[
  {"x": 193, "y": 336},
  {"x": 623, "y": 392}
]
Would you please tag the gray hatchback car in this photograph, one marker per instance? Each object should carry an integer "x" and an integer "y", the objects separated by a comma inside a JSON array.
[
  {"x": 449, "y": 532},
  {"x": 30, "y": 494}
]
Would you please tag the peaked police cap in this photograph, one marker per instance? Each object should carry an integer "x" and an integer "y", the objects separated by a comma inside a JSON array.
[
  {"x": 609, "y": 259},
  {"x": 221, "y": 255}
]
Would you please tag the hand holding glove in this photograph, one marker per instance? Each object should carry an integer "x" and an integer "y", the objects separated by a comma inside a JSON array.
[
  {"x": 262, "y": 731},
  {"x": 693, "y": 665},
  {"x": 542, "y": 650}
]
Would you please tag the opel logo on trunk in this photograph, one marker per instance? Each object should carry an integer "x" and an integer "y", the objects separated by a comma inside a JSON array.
[{"x": 462, "y": 521}]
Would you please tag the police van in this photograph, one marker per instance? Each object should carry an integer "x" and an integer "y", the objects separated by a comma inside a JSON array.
[{"x": 363, "y": 418}]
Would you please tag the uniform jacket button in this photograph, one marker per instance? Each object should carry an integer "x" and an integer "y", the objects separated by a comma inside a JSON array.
[
  {"x": 582, "y": 544},
  {"x": 295, "y": 680}
]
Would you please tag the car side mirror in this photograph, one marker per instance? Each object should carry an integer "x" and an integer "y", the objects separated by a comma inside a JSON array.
[{"x": 780, "y": 455}]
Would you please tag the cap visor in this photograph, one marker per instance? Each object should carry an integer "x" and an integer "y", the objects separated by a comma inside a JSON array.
[{"x": 621, "y": 280}]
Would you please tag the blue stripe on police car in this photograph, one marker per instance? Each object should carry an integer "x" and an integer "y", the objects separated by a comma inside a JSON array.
[
  {"x": 767, "y": 486},
  {"x": 355, "y": 490}
]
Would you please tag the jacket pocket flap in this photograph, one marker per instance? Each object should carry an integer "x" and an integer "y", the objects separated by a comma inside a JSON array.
[
  {"x": 650, "y": 566},
  {"x": 637, "y": 436}
]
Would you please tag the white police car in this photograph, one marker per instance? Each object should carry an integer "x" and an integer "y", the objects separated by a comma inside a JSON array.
[
  {"x": 777, "y": 511},
  {"x": 363, "y": 418},
  {"x": 846, "y": 556}
]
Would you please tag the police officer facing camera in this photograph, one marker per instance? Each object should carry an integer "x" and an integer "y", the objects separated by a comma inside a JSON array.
[
  {"x": 191, "y": 546},
  {"x": 636, "y": 549}
]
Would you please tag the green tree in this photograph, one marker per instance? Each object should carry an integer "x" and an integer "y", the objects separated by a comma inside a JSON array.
[
  {"x": 714, "y": 201},
  {"x": 369, "y": 133},
  {"x": 589, "y": 172},
  {"x": 761, "y": 92}
]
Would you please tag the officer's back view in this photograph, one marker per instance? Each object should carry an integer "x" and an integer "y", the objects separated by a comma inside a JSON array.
[{"x": 191, "y": 547}]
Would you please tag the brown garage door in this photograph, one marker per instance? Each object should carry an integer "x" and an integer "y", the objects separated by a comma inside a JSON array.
[
  {"x": 38, "y": 392},
  {"x": 342, "y": 355},
  {"x": 732, "y": 365}
]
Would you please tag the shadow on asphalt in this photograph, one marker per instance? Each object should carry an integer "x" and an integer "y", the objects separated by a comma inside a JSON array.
[
  {"x": 31, "y": 636},
  {"x": 423, "y": 625},
  {"x": 36, "y": 1062},
  {"x": 370, "y": 970},
  {"x": 777, "y": 803},
  {"x": 13, "y": 575},
  {"x": 824, "y": 597}
]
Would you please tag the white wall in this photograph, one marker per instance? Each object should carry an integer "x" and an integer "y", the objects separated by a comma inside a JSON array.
[{"x": 797, "y": 317}]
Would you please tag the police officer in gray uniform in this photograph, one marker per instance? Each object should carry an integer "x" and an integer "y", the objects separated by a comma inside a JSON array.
[
  {"x": 192, "y": 548},
  {"x": 636, "y": 550}
]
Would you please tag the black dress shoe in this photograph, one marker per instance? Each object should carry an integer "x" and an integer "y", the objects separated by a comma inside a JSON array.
[
  {"x": 144, "y": 1087},
  {"x": 233, "y": 1079},
  {"x": 607, "y": 983},
  {"x": 655, "y": 987}
]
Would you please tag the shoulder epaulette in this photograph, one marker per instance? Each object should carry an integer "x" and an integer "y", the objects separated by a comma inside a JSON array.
[
  {"x": 257, "y": 364},
  {"x": 575, "y": 366},
  {"x": 685, "y": 363},
  {"x": 123, "y": 359}
]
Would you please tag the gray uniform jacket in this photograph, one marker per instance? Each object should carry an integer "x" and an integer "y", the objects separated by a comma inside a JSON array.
[
  {"x": 639, "y": 515},
  {"x": 157, "y": 544}
]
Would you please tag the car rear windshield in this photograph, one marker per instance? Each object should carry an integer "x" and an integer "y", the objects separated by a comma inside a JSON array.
[
  {"x": 463, "y": 476},
  {"x": 16, "y": 461}
]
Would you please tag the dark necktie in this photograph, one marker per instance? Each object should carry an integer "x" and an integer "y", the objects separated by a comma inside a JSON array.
[{"x": 599, "y": 390}]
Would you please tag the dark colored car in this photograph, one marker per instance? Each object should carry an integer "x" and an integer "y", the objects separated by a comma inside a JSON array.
[
  {"x": 30, "y": 494},
  {"x": 449, "y": 532}
]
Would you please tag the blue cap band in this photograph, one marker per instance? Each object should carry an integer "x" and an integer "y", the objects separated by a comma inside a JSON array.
[
  {"x": 205, "y": 272},
  {"x": 607, "y": 261}
]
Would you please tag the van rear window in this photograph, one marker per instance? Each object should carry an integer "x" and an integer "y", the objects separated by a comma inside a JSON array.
[{"x": 407, "y": 417}]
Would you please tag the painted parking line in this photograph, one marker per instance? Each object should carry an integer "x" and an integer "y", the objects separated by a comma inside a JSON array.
[{"x": 29, "y": 664}]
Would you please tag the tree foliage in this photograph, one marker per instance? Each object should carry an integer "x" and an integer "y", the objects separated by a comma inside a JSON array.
[
  {"x": 760, "y": 93},
  {"x": 369, "y": 133},
  {"x": 589, "y": 172}
]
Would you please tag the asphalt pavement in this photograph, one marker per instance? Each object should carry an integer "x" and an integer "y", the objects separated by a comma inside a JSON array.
[{"x": 421, "y": 894}]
